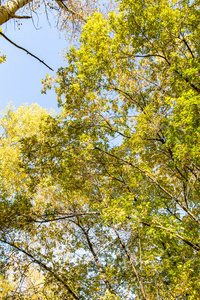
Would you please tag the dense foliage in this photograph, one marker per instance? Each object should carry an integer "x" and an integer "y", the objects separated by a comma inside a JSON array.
[{"x": 102, "y": 199}]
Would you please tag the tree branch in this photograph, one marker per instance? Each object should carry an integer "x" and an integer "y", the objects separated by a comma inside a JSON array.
[
  {"x": 194, "y": 246},
  {"x": 101, "y": 270},
  {"x": 122, "y": 245},
  {"x": 21, "y": 48},
  {"x": 41, "y": 264},
  {"x": 44, "y": 219},
  {"x": 154, "y": 181},
  {"x": 8, "y": 9},
  {"x": 21, "y": 17},
  {"x": 69, "y": 10}
]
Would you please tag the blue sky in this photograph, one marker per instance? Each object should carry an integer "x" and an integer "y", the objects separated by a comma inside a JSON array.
[{"x": 20, "y": 76}]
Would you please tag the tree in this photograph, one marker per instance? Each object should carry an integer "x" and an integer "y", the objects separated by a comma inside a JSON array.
[
  {"x": 75, "y": 9},
  {"x": 113, "y": 181},
  {"x": 70, "y": 15}
]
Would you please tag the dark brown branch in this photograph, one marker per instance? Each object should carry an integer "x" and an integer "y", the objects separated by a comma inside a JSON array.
[
  {"x": 172, "y": 213},
  {"x": 185, "y": 194},
  {"x": 144, "y": 56},
  {"x": 58, "y": 218},
  {"x": 21, "y": 48},
  {"x": 169, "y": 64},
  {"x": 115, "y": 178},
  {"x": 112, "y": 129},
  {"x": 128, "y": 97},
  {"x": 188, "y": 47},
  {"x": 187, "y": 80},
  {"x": 194, "y": 246},
  {"x": 154, "y": 181},
  {"x": 100, "y": 268},
  {"x": 41, "y": 264},
  {"x": 63, "y": 6}
]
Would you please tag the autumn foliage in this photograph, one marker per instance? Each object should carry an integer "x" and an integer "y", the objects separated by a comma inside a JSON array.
[{"x": 102, "y": 200}]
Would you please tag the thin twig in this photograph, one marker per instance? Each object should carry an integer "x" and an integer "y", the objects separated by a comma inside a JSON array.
[
  {"x": 58, "y": 218},
  {"x": 25, "y": 51}
]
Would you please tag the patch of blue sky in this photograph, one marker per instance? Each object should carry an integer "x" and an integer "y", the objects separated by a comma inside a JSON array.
[{"x": 21, "y": 75}]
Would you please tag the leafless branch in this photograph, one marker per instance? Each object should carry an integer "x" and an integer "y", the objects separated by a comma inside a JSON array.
[
  {"x": 21, "y": 48},
  {"x": 21, "y": 17},
  {"x": 47, "y": 217}
]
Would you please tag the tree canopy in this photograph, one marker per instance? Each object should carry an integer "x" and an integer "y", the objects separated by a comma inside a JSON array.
[{"x": 102, "y": 200}]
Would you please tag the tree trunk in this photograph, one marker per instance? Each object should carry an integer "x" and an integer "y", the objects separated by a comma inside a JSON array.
[{"x": 8, "y": 10}]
